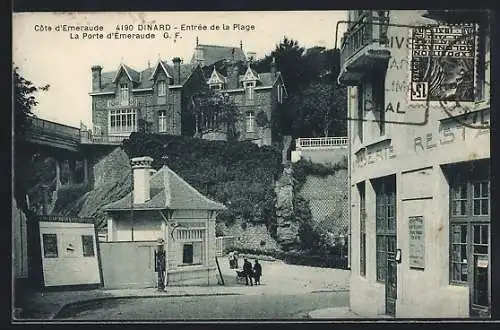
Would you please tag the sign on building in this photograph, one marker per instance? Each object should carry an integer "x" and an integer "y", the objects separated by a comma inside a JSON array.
[{"x": 417, "y": 242}]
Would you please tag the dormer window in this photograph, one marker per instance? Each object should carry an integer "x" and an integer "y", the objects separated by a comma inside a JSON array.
[
  {"x": 124, "y": 97},
  {"x": 216, "y": 80},
  {"x": 249, "y": 90},
  {"x": 162, "y": 88}
]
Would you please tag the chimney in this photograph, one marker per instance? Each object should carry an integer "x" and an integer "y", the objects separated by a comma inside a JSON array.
[
  {"x": 177, "y": 70},
  {"x": 96, "y": 77},
  {"x": 141, "y": 169},
  {"x": 273, "y": 67},
  {"x": 232, "y": 74}
]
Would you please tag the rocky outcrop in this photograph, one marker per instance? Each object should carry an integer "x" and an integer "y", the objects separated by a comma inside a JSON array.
[
  {"x": 287, "y": 229},
  {"x": 112, "y": 181},
  {"x": 250, "y": 237}
]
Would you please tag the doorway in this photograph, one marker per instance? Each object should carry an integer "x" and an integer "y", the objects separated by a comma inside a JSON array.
[{"x": 386, "y": 240}]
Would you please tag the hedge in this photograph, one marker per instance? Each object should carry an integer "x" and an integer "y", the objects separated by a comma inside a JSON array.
[{"x": 239, "y": 174}]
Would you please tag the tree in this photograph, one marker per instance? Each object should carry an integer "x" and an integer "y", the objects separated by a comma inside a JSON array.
[
  {"x": 214, "y": 111},
  {"x": 318, "y": 110},
  {"x": 289, "y": 61},
  {"x": 24, "y": 103}
]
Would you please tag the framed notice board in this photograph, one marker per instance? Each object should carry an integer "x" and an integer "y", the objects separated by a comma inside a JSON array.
[{"x": 417, "y": 242}]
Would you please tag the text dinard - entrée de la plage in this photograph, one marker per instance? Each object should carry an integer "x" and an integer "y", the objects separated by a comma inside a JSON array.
[{"x": 138, "y": 31}]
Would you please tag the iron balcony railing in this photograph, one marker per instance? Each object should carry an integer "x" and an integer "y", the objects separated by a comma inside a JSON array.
[
  {"x": 371, "y": 27},
  {"x": 89, "y": 138},
  {"x": 323, "y": 142},
  {"x": 46, "y": 127}
]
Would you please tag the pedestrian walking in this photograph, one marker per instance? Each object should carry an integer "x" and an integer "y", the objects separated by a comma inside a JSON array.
[
  {"x": 247, "y": 270},
  {"x": 231, "y": 260},
  {"x": 257, "y": 272}
]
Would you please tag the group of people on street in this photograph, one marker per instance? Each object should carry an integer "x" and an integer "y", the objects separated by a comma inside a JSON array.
[
  {"x": 255, "y": 272},
  {"x": 249, "y": 272}
]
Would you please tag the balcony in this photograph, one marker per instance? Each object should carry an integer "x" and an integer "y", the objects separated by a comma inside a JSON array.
[
  {"x": 321, "y": 143},
  {"x": 86, "y": 137},
  {"x": 364, "y": 47}
]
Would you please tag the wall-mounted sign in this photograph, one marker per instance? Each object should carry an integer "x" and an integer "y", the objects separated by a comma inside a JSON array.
[
  {"x": 417, "y": 242},
  {"x": 482, "y": 262},
  {"x": 375, "y": 153}
]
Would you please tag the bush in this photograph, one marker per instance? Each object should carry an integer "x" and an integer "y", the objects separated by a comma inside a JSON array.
[
  {"x": 324, "y": 260},
  {"x": 67, "y": 196},
  {"x": 305, "y": 167},
  {"x": 240, "y": 175}
]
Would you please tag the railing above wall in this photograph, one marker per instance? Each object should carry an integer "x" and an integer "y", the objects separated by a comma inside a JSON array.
[
  {"x": 89, "y": 138},
  {"x": 48, "y": 127},
  {"x": 323, "y": 142}
]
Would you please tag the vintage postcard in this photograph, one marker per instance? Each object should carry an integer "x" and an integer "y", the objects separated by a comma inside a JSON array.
[{"x": 221, "y": 166}]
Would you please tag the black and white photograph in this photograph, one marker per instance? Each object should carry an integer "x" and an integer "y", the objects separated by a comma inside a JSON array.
[{"x": 262, "y": 166}]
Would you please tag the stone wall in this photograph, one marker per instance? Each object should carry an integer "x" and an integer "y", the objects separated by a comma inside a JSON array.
[
  {"x": 252, "y": 237},
  {"x": 328, "y": 201}
]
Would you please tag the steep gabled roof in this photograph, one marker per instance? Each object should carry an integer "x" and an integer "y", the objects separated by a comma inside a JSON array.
[
  {"x": 161, "y": 65},
  {"x": 143, "y": 78},
  {"x": 250, "y": 75},
  {"x": 168, "y": 191},
  {"x": 216, "y": 78},
  {"x": 131, "y": 73},
  {"x": 215, "y": 53}
]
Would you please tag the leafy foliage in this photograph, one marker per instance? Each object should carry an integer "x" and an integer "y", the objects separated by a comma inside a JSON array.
[
  {"x": 305, "y": 167},
  {"x": 239, "y": 174},
  {"x": 24, "y": 103},
  {"x": 214, "y": 111},
  {"x": 316, "y": 106},
  {"x": 321, "y": 108},
  {"x": 288, "y": 56},
  {"x": 313, "y": 237}
]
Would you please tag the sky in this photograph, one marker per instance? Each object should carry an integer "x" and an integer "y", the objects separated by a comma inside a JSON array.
[{"x": 47, "y": 56}]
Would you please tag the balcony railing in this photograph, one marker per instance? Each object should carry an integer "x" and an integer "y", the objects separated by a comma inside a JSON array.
[
  {"x": 46, "y": 127},
  {"x": 89, "y": 138},
  {"x": 323, "y": 143},
  {"x": 370, "y": 28}
]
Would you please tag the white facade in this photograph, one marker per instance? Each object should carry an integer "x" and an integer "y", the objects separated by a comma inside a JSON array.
[
  {"x": 404, "y": 170},
  {"x": 69, "y": 254},
  {"x": 182, "y": 227}
]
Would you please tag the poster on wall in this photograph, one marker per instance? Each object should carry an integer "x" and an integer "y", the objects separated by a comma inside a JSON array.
[
  {"x": 417, "y": 244},
  {"x": 70, "y": 246}
]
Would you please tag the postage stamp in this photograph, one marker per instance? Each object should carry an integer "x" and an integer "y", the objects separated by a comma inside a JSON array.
[{"x": 443, "y": 63}]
